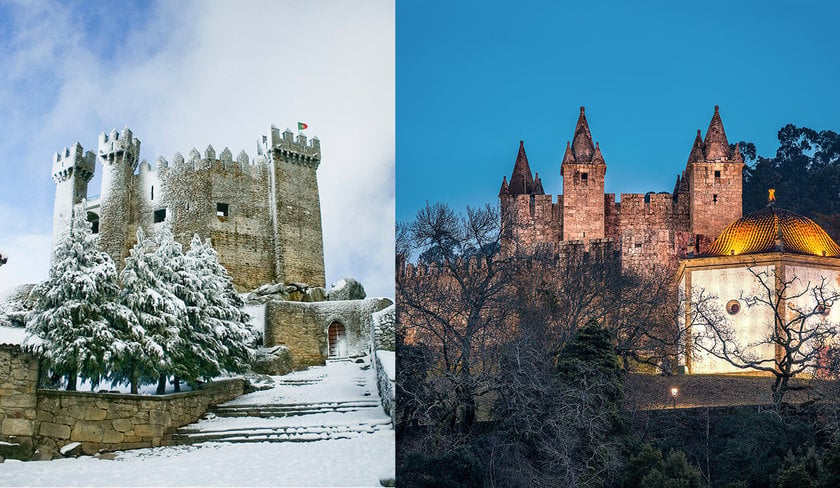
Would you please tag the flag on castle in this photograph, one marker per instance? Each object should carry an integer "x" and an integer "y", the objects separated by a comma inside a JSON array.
[{"x": 302, "y": 126}]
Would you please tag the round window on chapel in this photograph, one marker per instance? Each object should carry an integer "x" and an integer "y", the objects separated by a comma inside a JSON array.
[{"x": 733, "y": 307}]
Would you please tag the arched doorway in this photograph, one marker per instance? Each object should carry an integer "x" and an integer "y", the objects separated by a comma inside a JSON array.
[{"x": 337, "y": 340}]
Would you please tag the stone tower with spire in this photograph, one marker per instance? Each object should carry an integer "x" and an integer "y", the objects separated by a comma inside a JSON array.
[
  {"x": 714, "y": 175},
  {"x": 647, "y": 230},
  {"x": 583, "y": 171}
]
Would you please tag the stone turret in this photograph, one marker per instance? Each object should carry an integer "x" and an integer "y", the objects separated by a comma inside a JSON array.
[
  {"x": 583, "y": 170},
  {"x": 714, "y": 177},
  {"x": 119, "y": 153},
  {"x": 298, "y": 237},
  {"x": 72, "y": 169}
]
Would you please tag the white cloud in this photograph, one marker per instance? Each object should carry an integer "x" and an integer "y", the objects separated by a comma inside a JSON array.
[
  {"x": 221, "y": 73},
  {"x": 26, "y": 263}
]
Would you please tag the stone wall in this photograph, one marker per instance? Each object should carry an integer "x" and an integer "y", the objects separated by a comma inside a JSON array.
[
  {"x": 263, "y": 215},
  {"x": 118, "y": 421},
  {"x": 385, "y": 378},
  {"x": 303, "y": 327},
  {"x": 384, "y": 330},
  {"x": 18, "y": 377}
]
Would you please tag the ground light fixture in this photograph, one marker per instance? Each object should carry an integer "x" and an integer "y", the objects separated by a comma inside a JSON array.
[{"x": 674, "y": 392}]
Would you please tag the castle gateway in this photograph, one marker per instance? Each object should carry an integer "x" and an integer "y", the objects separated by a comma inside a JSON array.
[
  {"x": 263, "y": 216},
  {"x": 648, "y": 230}
]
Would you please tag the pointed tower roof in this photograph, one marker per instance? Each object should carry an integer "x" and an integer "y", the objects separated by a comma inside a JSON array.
[
  {"x": 568, "y": 157},
  {"x": 504, "y": 189},
  {"x": 736, "y": 155},
  {"x": 698, "y": 153},
  {"x": 521, "y": 181},
  {"x": 538, "y": 188},
  {"x": 598, "y": 157},
  {"x": 582, "y": 141},
  {"x": 717, "y": 147}
]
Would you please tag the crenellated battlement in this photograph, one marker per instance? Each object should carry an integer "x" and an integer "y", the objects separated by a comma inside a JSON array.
[
  {"x": 263, "y": 216},
  {"x": 285, "y": 147},
  {"x": 119, "y": 143},
  {"x": 73, "y": 160}
]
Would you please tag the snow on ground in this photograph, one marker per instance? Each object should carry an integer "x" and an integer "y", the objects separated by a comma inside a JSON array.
[
  {"x": 361, "y": 460},
  {"x": 346, "y": 462}
]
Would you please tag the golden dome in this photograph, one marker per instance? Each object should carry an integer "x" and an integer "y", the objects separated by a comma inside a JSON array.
[{"x": 773, "y": 229}]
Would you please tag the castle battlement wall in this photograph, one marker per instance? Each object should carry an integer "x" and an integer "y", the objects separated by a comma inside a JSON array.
[
  {"x": 262, "y": 215},
  {"x": 651, "y": 230}
]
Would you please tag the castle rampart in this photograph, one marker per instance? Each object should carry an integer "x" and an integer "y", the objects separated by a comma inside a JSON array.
[
  {"x": 263, "y": 216},
  {"x": 650, "y": 230}
]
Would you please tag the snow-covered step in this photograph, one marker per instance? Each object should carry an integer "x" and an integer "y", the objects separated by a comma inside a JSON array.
[
  {"x": 291, "y": 409},
  {"x": 299, "y": 433}
]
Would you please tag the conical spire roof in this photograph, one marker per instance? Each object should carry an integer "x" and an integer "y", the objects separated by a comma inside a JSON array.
[
  {"x": 598, "y": 157},
  {"x": 504, "y": 189},
  {"x": 717, "y": 147},
  {"x": 697, "y": 150},
  {"x": 582, "y": 141},
  {"x": 568, "y": 157},
  {"x": 521, "y": 181}
]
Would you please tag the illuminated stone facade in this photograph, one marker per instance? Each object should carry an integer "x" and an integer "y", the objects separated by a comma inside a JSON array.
[
  {"x": 649, "y": 230},
  {"x": 262, "y": 216},
  {"x": 771, "y": 247}
]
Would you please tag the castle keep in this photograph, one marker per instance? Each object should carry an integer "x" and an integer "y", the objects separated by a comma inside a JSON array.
[
  {"x": 648, "y": 230},
  {"x": 263, "y": 216}
]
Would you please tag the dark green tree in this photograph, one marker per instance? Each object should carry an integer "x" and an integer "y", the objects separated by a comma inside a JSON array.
[{"x": 805, "y": 173}]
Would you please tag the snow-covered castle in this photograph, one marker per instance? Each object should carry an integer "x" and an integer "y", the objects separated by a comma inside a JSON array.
[{"x": 262, "y": 215}]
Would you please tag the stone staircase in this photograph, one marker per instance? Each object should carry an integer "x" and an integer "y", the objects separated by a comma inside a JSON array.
[{"x": 336, "y": 401}]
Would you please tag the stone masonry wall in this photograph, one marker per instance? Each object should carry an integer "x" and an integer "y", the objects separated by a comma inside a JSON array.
[
  {"x": 715, "y": 200},
  {"x": 302, "y": 327},
  {"x": 18, "y": 377},
  {"x": 117, "y": 421},
  {"x": 190, "y": 191}
]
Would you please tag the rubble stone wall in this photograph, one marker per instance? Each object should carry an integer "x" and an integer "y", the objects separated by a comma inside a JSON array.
[
  {"x": 303, "y": 327},
  {"x": 117, "y": 421},
  {"x": 18, "y": 377}
]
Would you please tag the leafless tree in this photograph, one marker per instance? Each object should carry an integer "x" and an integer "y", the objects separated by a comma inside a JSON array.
[
  {"x": 799, "y": 332},
  {"x": 457, "y": 309}
]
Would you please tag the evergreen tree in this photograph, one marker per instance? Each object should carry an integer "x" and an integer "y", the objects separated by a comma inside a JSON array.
[
  {"x": 159, "y": 316},
  {"x": 174, "y": 275},
  {"x": 223, "y": 333},
  {"x": 70, "y": 323}
]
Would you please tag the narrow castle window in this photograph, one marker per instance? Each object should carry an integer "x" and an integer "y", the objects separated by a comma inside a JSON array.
[
  {"x": 222, "y": 211},
  {"x": 584, "y": 178},
  {"x": 717, "y": 174},
  {"x": 160, "y": 215},
  {"x": 153, "y": 192},
  {"x": 714, "y": 198}
]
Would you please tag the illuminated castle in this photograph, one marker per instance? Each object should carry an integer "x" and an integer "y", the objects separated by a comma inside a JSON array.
[{"x": 648, "y": 230}]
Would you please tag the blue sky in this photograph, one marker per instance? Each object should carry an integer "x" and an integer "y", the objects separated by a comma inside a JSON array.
[
  {"x": 475, "y": 77},
  {"x": 191, "y": 73}
]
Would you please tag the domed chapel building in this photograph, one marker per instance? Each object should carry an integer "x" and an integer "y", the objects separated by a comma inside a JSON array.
[{"x": 774, "y": 254}]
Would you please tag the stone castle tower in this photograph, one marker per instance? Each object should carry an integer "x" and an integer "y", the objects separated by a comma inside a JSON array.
[
  {"x": 648, "y": 230},
  {"x": 263, "y": 216}
]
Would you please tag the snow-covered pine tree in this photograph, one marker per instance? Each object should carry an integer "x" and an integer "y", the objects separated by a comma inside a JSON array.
[
  {"x": 70, "y": 325},
  {"x": 178, "y": 278},
  {"x": 223, "y": 331},
  {"x": 159, "y": 314}
]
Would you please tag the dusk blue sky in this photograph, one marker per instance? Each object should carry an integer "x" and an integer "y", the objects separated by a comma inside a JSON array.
[
  {"x": 191, "y": 73},
  {"x": 475, "y": 77}
]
